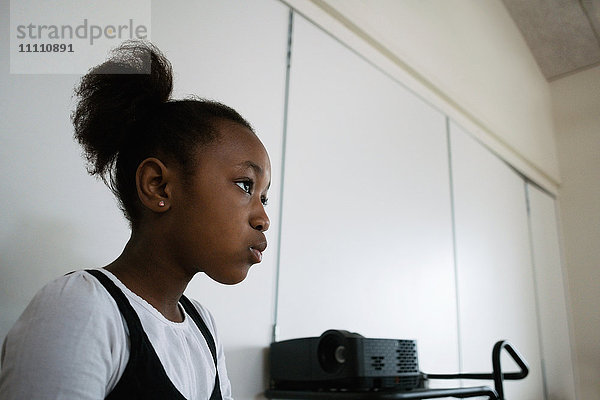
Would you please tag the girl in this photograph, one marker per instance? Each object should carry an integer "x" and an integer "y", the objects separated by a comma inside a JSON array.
[{"x": 191, "y": 177}]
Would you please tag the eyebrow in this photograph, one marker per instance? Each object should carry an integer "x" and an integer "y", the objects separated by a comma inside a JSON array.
[{"x": 249, "y": 164}]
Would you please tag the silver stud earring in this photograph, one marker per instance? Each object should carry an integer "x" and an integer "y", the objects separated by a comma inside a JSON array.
[{"x": 161, "y": 203}]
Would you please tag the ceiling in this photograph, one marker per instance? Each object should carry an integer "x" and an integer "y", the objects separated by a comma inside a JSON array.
[{"x": 563, "y": 35}]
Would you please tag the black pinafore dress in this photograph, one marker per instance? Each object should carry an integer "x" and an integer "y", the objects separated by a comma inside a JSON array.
[{"x": 144, "y": 376}]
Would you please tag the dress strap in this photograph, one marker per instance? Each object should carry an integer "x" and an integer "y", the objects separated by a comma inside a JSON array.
[
  {"x": 145, "y": 377},
  {"x": 193, "y": 312},
  {"x": 133, "y": 321}
]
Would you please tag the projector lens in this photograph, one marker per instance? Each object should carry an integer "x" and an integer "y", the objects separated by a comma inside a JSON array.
[
  {"x": 332, "y": 352},
  {"x": 340, "y": 354}
]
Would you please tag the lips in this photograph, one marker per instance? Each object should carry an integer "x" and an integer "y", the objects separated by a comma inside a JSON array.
[{"x": 257, "y": 251}]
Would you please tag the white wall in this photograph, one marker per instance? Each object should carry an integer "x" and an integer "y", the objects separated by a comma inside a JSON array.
[
  {"x": 468, "y": 57},
  {"x": 577, "y": 116},
  {"x": 56, "y": 218},
  {"x": 51, "y": 202}
]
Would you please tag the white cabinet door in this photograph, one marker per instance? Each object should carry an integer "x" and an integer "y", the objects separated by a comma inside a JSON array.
[
  {"x": 554, "y": 321},
  {"x": 366, "y": 240},
  {"x": 494, "y": 264}
]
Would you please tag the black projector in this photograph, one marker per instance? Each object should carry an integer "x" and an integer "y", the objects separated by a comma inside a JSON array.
[{"x": 341, "y": 360}]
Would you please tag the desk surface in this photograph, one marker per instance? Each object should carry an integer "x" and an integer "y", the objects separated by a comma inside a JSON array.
[{"x": 382, "y": 395}]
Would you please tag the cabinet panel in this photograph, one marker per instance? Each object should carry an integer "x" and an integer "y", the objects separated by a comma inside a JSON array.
[
  {"x": 494, "y": 263},
  {"x": 366, "y": 241},
  {"x": 554, "y": 321}
]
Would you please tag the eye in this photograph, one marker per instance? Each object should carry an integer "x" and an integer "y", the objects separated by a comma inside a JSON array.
[
  {"x": 246, "y": 186},
  {"x": 264, "y": 200}
]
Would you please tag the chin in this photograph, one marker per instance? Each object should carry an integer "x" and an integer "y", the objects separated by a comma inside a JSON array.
[
  {"x": 232, "y": 278},
  {"x": 232, "y": 282}
]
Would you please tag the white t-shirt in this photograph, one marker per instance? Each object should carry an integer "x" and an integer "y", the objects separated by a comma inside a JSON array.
[{"x": 71, "y": 342}]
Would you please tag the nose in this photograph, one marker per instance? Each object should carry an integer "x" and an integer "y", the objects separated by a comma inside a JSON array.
[{"x": 260, "y": 221}]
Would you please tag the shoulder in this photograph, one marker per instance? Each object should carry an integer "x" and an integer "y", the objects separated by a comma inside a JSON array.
[
  {"x": 70, "y": 323},
  {"x": 70, "y": 305},
  {"x": 78, "y": 284},
  {"x": 70, "y": 298}
]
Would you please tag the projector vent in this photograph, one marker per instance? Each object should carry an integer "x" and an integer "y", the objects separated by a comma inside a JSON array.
[
  {"x": 406, "y": 357},
  {"x": 377, "y": 363},
  {"x": 386, "y": 357}
]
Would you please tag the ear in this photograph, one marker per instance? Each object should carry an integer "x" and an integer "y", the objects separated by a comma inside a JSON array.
[{"x": 153, "y": 185}]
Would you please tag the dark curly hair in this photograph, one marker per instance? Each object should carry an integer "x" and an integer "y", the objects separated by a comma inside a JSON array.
[{"x": 125, "y": 115}]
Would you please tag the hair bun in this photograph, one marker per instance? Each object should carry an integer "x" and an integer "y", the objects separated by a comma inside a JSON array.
[{"x": 117, "y": 99}]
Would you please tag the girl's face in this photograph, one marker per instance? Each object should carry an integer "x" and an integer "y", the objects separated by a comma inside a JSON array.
[{"x": 219, "y": 218}]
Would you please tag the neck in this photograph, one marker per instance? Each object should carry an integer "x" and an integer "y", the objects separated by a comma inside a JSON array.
[{"x": 145, "y": 270}]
